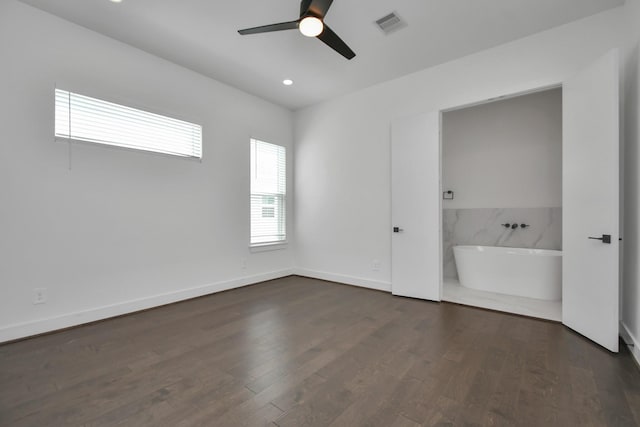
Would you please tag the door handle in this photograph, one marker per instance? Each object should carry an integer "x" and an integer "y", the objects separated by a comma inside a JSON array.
[
  {"x": 606, "y": 238},
  {"x": 397, "y": 230}
]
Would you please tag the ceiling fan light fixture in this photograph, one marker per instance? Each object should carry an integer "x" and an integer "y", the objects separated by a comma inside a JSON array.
[{"x": 311, "y": 26}]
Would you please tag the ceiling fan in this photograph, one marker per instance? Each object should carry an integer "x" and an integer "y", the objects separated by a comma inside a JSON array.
[{"x": 311, "y": 24}]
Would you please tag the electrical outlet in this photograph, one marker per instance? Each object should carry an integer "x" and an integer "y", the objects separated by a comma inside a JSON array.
[
  {"x": 39, "y": 295},
  {"x": 375, "y": 265},
  {"x": 243, "y": 263}
]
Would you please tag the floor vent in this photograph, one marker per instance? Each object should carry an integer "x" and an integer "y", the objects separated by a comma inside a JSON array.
[{"x": 390, "y": 23}]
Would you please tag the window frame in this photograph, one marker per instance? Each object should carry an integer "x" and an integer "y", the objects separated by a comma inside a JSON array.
[{"x": 275, "y": 244}]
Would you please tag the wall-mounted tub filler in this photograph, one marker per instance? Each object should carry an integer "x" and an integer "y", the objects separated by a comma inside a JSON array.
[{"x": 515, "y": 225}]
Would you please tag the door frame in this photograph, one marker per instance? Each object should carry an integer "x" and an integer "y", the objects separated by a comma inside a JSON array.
[{"x": 500, "y": 97}]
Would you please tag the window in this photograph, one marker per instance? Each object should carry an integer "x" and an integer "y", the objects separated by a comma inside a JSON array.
[
  {"x": 268, "y": 193},
  {"x": 81, "y": 118}
]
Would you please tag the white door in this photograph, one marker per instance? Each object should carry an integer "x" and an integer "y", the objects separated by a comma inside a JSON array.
[
  {"x": 590, "y": 202},
  {"x": 415, "y": 207}
]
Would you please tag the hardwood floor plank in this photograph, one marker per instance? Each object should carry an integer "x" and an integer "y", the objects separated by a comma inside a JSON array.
[
  {"x": 372, "y": 386},
  {"x": 483, "y": 385},
  {"x": 585, "y": 403},
  {"x": 404, "y": 422},
  {"x": 443, "y": 412},
  {"x": 502, "y": 404},
  {"x": 298, "y": 352},
  {"x": 634, "y": 403},
  {"x": 329, "y": 401}
]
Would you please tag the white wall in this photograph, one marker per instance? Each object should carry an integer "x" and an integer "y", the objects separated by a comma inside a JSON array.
[
  {"x": 122, "y": 230},
  {"x": 505, "y": 154},
  {"x": 631, "y": 130},
  {"x": 96, "y": 235},
  {"x": 342, "y": 146}
]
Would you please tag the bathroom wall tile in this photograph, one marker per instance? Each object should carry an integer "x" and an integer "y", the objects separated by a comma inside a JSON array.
[{"x": 483, "y": 227}]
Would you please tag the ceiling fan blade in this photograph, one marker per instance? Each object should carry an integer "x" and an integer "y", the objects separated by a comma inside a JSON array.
[
  {"x": 331, "y": 39},
  {"x": 292, "y": 25},
  {"x": 318, "y": 8}
]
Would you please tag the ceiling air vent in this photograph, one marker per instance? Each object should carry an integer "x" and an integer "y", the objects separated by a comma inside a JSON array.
[{"x": 390, "y": 23}]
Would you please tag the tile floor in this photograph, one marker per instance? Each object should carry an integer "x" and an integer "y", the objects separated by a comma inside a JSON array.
[{"x": 453, "y": 292}]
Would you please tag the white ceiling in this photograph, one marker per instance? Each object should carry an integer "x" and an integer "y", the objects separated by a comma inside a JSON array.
[{"x": 202, "y": 35}]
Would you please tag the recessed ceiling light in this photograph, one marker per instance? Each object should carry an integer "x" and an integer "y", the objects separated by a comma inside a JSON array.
[
  {"x": 287, "y": 82},
  {"x": 116, "y": 1}
]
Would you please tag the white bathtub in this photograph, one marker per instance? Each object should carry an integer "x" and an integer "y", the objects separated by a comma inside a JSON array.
[{"x": 532, "y": 273}]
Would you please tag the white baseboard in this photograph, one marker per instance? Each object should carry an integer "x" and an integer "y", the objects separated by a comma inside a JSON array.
[
  {"x": 630, "y": 339},
  {"x": 348, "y": 280},
  {"x": 40, "y": 326}
]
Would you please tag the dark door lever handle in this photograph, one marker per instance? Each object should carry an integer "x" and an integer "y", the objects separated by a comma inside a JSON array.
[
  {"x": 397, "y": 230},
  {"x": 606, "y": 238}
]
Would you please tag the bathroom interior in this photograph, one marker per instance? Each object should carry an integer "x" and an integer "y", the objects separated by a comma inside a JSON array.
[{"x": 502, "y": 205}]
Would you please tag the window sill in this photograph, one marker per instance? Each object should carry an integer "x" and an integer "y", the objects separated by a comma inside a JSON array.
[{"x": 266, "y": 247}]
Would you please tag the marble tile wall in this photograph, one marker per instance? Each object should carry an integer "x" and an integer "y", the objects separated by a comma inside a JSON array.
[{"x": 483, "y": 227}]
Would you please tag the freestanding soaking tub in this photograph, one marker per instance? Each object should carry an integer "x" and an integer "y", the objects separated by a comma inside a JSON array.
[{"x": 532, "y": 273}]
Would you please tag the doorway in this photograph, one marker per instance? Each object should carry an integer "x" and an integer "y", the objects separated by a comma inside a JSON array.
[
  {"x": 502, "y": 204},
  {"x": 590, "y": 203}
]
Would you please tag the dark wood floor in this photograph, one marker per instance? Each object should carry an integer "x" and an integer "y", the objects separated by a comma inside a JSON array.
[{"x": 296, "y": 352}]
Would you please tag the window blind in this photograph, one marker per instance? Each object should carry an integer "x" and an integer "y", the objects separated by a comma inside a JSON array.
[
  {"x": 82, "y": 118},
  {"x": 268, "y": 193}
]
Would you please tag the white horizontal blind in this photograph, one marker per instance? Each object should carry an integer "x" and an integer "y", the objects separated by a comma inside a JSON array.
[
  {"x": 82, "y": 118},
  {"x": 268, "y": 193}
]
